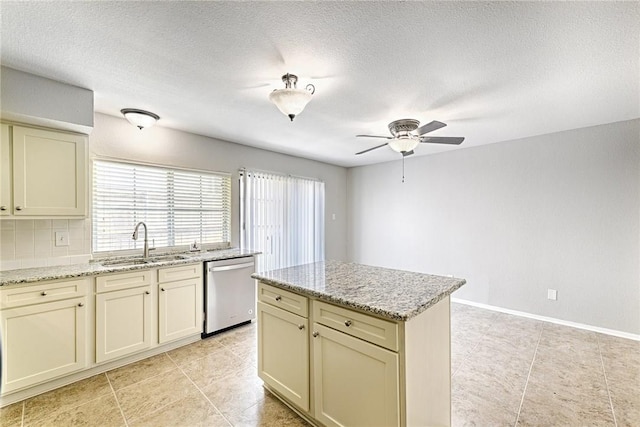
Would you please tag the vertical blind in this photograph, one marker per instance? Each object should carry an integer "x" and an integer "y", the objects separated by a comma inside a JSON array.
[
  {"x": 283, "y": 217},
  {"x": 178, "y": 206}
]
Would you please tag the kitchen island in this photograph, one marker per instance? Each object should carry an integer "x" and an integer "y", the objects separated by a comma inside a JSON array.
[{"x": 350, "y": 344}]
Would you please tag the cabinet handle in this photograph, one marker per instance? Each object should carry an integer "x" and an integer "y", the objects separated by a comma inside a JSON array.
[
  {"x": 18, "y": 208},
  {"x": 315, "y": 334},
  {"x": 147, "y": 292},
  {"x": 301, "y": 327},
  {"x": 3, "y": 208},
  {"x": 347, "y": 323},
  {"x": 80, "y": 304},
  {"x": 43, "y": 293},
  {"x": 278, "y": 297}
]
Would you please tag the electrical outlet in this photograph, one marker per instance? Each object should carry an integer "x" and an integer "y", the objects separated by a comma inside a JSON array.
[
  {"x": 62, "y": 238},
  {"x": 552, "y": 294}
]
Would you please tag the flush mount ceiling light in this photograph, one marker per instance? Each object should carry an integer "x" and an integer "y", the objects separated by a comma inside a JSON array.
[
  {"x": 140, "y": 118},
  {"x": 290, "y": 100}
]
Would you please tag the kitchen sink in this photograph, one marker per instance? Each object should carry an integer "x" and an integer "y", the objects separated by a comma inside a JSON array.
[
  {"x": 164, "y": 258},
  {"x": 138, "y": 261},
  {"x": 124, "y": 262}
]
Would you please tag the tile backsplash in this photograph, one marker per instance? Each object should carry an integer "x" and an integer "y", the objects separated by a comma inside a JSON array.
[{"x": 26, "y": 243}]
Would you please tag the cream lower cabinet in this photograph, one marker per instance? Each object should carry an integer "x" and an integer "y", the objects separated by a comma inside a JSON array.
[
  {"x": 283, "y": 343},
  {"x": 180, "y": 305},
  {"x": 123, "y": 314},
  {"x": 359, "y": 370},
  {"x": 355, "y": 382},
  {"x": 44, "y": 332}
]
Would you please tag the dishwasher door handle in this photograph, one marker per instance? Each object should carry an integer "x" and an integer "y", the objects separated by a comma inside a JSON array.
[{"x": 232, "y": 267}]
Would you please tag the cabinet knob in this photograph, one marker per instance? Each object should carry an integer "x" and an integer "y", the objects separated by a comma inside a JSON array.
[
  {"x": 3, "y": 208},
  {"x": 80, "y": 304},
  {"x": 347, "y": 323},
  {"x": 315, "y": 334},
  {"x": 301, "y": 327},
  {"x": 162, "y": 289},
  {"x": 18, "y": 208},
  {"x": 147, "y": 292},
  {"x": 43, "y": 293},
  {"x": 278, "y": 297}
]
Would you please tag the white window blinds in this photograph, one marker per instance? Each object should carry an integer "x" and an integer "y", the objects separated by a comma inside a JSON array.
[
  {"x": 283, "y": 217},
  {"x": 178, "y": 206}
]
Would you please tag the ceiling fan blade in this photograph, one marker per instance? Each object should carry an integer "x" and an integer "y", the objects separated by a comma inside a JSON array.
[
  {"x": 370, "y": 149},
  {"x": 442, "y": 140},
  {"x": 407, "y": 153},
  {"x": 374, "y": 136},
  {"x": 430, "y": 127}
]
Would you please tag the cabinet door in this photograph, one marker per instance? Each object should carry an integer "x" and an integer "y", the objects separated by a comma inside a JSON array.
[
  {"x": 43, "y": 341},
  {"x": 6, "y": 189},
  {"x": 355, "y": 382},
  {"x": 180, "y": 309},
  {"x": 123, "y": 322},
  {"x": 49, "y": 173},
  {"x": 283, "y": 353}
]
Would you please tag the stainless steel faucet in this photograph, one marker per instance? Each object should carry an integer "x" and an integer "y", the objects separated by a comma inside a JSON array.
[{"x": 145, "y": 252}]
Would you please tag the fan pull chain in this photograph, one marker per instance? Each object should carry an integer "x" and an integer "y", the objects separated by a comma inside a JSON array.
[{"x": 403, "y": 168}]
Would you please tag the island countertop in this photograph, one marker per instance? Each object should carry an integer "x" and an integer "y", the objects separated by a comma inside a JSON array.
[{"x": 388, "y": 293}]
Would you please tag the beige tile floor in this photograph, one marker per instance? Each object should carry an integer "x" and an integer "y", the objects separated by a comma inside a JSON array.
[{"x": 506, "y": 371}]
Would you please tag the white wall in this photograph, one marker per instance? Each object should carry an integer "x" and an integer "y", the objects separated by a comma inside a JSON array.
[
  {"x": 558, "y": 211},
  {"x": 117, "y": 138}
]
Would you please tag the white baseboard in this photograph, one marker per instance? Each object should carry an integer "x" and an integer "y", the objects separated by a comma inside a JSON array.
[{"x": 605, "y": 331}]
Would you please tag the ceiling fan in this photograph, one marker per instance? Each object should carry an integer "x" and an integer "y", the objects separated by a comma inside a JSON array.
[{"x": 403, "y": 139}]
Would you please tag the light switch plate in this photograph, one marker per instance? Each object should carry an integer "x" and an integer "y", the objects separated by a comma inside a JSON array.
[
  {"x": 552, "y": 294},
  {"x": 62, "y": 238}
]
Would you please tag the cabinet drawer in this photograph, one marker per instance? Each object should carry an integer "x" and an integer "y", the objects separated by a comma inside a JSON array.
[
  {"x": 372, "y": 329},
  {"x": 292, "y": 302},
  {"x": 46, "y": 292},
  {"x": 180, "y": 272},
  {"x": 114, "y": 282}
]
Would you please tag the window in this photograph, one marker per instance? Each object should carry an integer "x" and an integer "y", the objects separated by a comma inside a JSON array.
[
  {"x": 178, "y": 206},
  {"x": 283, "y": 217}
]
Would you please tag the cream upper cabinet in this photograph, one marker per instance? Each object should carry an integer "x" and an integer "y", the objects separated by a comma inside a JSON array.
[
  {"x": 44, "y": 332},
  {"x": 48, "y": 171},
  {"x": 180, "y": 305},
  {"x": 6, "y": 180}
]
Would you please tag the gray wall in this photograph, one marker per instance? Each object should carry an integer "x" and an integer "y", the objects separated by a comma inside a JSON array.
[
  {"x": 117, "y": 138},
  {"x": 28, "y": 98},
  {"x": 558, "y": 211}
]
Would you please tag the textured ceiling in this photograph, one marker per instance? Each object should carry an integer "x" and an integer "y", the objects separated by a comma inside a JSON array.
[{"x": 493, "y": 71}]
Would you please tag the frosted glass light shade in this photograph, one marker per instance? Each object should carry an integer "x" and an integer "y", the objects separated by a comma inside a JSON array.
[
  {"x": 403, "y": 144},
  {"x": 290, "y": 101},
  {"x": 140, "y": 118}
]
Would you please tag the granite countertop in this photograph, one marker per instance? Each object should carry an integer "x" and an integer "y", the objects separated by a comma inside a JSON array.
[
  {"x": 392, "y": 294},
  {"x": 93, "y": 268}
]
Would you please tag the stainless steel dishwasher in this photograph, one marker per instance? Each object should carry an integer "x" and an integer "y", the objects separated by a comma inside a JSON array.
[{"x": 229, "y": 294}]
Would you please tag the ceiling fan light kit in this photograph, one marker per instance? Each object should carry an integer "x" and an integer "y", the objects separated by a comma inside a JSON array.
[
  {"x": 291, "y": 100},
  {"x": 140, "y": 118},
  {"x": 403, "y": 139},
  {"x": 403, "y": 144}
]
